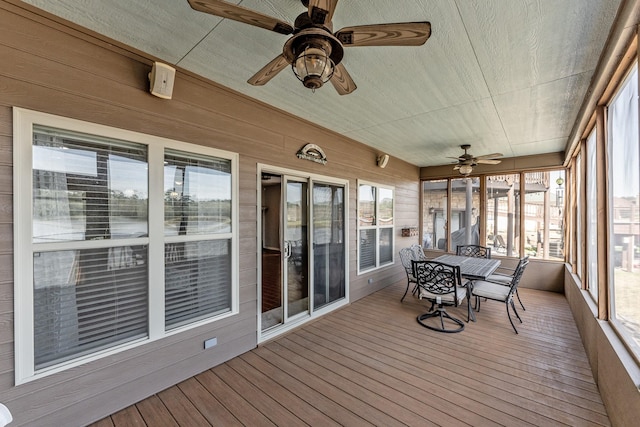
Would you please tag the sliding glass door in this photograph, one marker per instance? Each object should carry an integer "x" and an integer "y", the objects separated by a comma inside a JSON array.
[{"x": 303, "y": 262}]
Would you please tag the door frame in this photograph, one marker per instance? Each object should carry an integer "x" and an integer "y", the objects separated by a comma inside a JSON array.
[{"x": 313, "y": 314}]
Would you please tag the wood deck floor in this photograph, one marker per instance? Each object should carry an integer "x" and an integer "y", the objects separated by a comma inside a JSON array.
[{"x": 371, "y": 363}]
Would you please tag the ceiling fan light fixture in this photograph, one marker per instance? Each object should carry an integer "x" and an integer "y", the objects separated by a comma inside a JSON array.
[
  {"x": 313, "y": 67},
  {"x": 466, "y": 169}
]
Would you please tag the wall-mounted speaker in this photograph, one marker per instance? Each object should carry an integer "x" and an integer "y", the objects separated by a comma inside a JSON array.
[
  {"x": 382, "y": 160},
  {"x": 161, "y": 80}
]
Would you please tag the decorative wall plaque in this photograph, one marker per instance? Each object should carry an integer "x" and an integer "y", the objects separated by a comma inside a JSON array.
[{"x": 312, "y": 152}]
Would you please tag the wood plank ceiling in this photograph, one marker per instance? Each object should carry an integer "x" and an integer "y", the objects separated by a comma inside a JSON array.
[{"x": 502, "y": 75}]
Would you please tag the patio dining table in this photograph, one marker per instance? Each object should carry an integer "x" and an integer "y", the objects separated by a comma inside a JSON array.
[
  {"x": 470, "y": 267},
  {"x": 473, "y": 269}
]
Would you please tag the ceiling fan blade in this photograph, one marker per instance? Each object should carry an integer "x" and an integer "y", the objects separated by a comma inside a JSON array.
[
  {"x": 241, "y": 14},
  {"x": 401, "y": 34},
  {"x": 488, "y": 161},
  {"x": 456, "y": 167},
  {"x": 269, "y": 71},
  {"x": 489, "y": 156},
  {"x": 342, "y": 81},
  {"x": 321, "y": 11}
]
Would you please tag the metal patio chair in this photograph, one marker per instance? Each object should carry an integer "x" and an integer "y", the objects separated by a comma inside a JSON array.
[
  {"x": 407, "y": 255},
  {"x": 442, "y": 285},
  {"x": 475, "y": 251},
  {"x": 499, "y": 292},
  {"x": 504, "y": 276},
  {"x": 418, "y": 252}
]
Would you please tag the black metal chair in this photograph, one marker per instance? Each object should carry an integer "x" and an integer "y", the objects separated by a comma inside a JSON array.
[
  {"x": 475, "y": 251},
  {"x": 504, "y": 276},
  {"x": 407, "y": 255},
  {"x": 442, "y": 285},
  {"x": 499, "y": 292},
  {"x": 418, "y": 252}
]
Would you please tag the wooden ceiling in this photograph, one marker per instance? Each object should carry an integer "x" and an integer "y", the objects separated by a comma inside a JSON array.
[{"x": 502, "y": 75}]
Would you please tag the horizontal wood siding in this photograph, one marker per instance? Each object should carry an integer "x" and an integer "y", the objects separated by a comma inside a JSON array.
[{"x": 58, "y": 68}]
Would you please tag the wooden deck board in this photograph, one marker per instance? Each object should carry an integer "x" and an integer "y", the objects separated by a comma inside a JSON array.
[
  {"x": 181, "y": 408},
  {"x": 154, "y": 412},
  {"x": 405, "y": 388},
  {"x": 215, "y": 412},
  {"x": 371, "y": 363},
  {"x": 259, "y": 359},
  {"x": 461, "y": 376},
  {"x": 485, "y": 357},
  {"x": 458, "y": 387},
  {"x": 302, "y": 409},
  {"x": 246, "y": 413},
  {"x": 128, "y": 417},
  {"x": 494, "y": 366}
]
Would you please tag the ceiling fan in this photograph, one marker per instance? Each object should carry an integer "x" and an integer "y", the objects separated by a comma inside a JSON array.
[
  {"x": 467, "y": 161},
  {"x": 314, "y": 51}
]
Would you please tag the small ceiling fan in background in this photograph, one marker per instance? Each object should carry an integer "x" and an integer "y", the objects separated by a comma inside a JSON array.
[
  {"x": 314, "y": 51},
  {"x": 467, "y": 161}
]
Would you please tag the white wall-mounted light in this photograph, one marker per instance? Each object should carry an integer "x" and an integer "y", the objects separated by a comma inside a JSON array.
[
  {"x": 382, "y": 160},
  {"x": 161, "y": 80}
]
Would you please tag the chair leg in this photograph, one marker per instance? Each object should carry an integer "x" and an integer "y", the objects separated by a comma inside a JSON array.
[
  {"x": 509, "y": 315},
  {"x": 415, "y": 290},
  {"x": 405, "y": 292},
  {"x": 520, "y": 301},
  {"x": 513, "y": 305},
  {"x": 471, "y": 316},
  {"x": 442, "y": 314}
]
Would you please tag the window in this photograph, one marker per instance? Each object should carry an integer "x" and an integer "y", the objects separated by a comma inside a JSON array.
[
  {"x": 503, "y": 214},
  {"x": 464, "y": 224},
  {"x": 533, "y": 226},
  {"x": 434, "y": 218},
  {"x": 91, "y": 232},
  {"x": 544, "y": 201},
  {"x": 197, "y": 252},
  {"x": 624, "y": 189},
  {"x": 592, "y": 217},
  {"x": 375, "y": 226},
  {"x": 580, "y": 206}
]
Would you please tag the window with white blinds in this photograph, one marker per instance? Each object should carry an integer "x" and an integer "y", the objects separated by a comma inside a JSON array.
[
  {"x": 87, "y": 212},
  {"x": 197, "y": 202},
  {"x": 87, "y": 298},
  {"x": 375, "y": 226}
]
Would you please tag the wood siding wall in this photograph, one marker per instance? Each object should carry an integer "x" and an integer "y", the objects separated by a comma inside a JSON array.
[{"x": 61, "y": 69}]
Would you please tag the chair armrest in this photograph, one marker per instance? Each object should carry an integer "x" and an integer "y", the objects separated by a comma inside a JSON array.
[
  {"x": 500, "y": 269},
  {"x": 500, "y": 279}
]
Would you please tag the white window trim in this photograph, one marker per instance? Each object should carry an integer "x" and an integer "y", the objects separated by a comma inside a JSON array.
[
  {"x": 376, "y": 227},
  {"x": 23, "y": 122}
]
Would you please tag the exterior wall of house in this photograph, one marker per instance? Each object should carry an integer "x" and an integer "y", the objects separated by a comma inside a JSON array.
[
  {"x": 51, "y": 67},
  {"x": 615, "y": 371}
]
